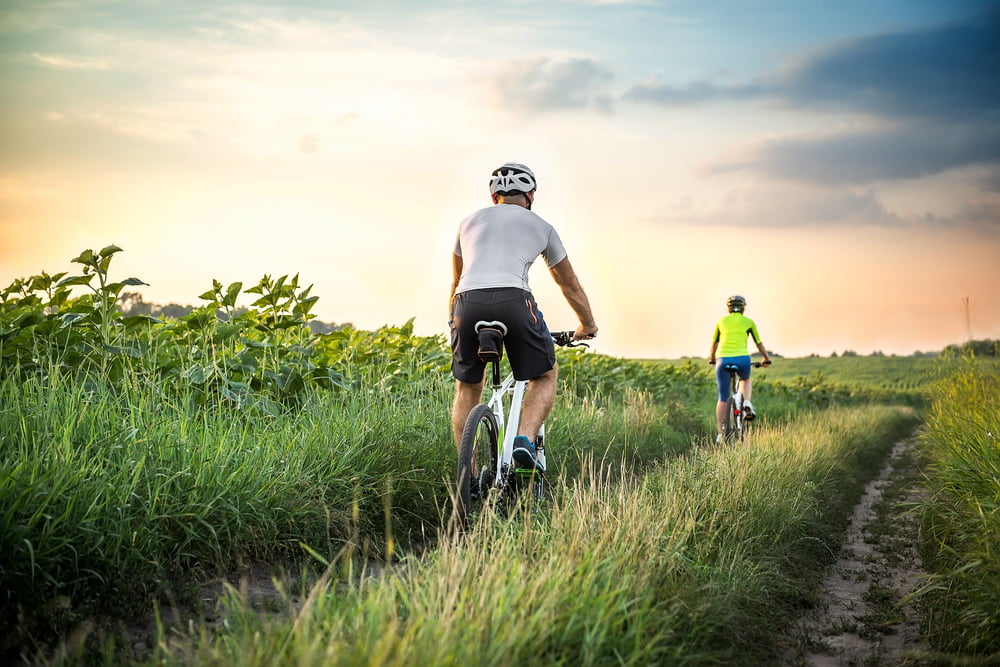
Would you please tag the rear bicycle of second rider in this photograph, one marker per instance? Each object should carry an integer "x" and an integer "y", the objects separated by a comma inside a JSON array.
[{"x": 732, "y": 366}]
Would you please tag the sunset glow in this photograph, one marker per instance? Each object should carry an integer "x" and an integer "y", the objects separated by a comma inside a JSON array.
[{"x": 836, "y": 163}]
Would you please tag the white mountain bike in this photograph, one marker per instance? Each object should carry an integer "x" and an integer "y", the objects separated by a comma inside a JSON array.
[{"x": 487, "y": 473}]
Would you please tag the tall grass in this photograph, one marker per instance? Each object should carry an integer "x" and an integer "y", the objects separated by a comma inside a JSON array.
[
  {"x": 702, "y": 560},
  {"x": 962, "y": 519},
  {"x": 113, "y": 494},
  {"x": 107, "y": 496}
]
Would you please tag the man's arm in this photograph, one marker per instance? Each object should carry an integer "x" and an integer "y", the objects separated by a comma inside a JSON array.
[
  {"x": 711, "y": 353},
  {"x": 566, "y": 279}
]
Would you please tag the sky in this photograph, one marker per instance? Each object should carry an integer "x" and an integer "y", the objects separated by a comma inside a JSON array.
[{"x": 836, "y": 163}]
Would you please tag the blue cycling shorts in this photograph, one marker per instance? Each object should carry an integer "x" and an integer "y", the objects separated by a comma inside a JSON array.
[{"x": 722, "y": 375}]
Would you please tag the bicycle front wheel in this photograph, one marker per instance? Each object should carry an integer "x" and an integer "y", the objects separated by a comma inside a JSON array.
[{"x": 477, "y": 462}]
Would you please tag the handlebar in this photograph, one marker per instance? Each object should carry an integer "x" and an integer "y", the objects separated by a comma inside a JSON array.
[
  {"x": 565, "y": 339},
  {"x": 756, "y": 364}
]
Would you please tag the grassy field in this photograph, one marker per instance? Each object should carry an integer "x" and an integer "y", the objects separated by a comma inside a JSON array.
[
  {"x": 961, "y": 442},
  {"x": 879, "y": 379},
  {"x": 141, "y": 458},
  {"x": 703, "y": 559}
]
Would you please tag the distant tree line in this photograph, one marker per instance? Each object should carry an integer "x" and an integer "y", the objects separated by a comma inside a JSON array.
[
  {"x": 978, "y": 348},
  {"x": 132, "y": 303}
]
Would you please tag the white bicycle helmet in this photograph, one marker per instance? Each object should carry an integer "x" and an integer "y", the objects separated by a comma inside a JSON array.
[{"x": 511, "y": 177}]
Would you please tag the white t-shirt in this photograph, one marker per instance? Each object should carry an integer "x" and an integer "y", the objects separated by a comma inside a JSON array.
[{"x": 498, "y": 245}]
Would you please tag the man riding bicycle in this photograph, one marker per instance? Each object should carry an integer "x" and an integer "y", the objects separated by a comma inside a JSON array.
[
  {"x": 496, "y": 247},
  {"x": 730, "y": 340}
]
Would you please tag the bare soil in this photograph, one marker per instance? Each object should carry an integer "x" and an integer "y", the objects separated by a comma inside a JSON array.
[{"x": 864, "y": 616}]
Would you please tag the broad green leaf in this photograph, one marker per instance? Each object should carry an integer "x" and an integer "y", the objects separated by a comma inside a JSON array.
[
  {"x": 71, "y": 318},
  {"x": 107, "y": 251},
  {"x": 227, "y": 331},
  {"x": 75, "y": 280},
  {"x": 198, "y": 374},
  {"x": 232, "y": 293},
  {"x": 85, "y": 257}
]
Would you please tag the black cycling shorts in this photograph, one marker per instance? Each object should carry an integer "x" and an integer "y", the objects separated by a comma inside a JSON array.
[{"x": 528, "y": 342}]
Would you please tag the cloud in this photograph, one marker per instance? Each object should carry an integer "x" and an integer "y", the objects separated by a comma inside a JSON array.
[
  {"x": 699, "y": 92},
  {"x": 934, "y": 92},
  {"x": 64, "y": 62},
  {"x": 547, "y": 84},
  {"x": 950, "y": 71},
  {"x": 909, "y": 151},
  {"x": 762, "y": 205}
]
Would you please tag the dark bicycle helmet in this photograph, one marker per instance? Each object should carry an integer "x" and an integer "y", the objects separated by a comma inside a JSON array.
[
  {"x": 511, "y": 178},
  {"x": 736, "y": 304}
]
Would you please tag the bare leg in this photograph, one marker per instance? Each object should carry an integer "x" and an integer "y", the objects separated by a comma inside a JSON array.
[
  {"x": 745, "y": 389},
  {"x": 467, "y": 396},
  {"x": 720, "y": 416},
  {"x": 538, "y": 401}
]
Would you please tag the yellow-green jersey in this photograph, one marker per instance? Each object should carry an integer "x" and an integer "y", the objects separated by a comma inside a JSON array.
[{"x": 731, "y": 334}]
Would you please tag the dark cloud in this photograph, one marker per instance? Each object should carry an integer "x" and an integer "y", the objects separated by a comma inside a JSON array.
[
  {"x": 936, "y": 91},
  {"x": 991, "y": 182},
  {"x": 544, "y": 84},
  {"x": 912, "y": 150},
  {"x": 951, "y": 71}
]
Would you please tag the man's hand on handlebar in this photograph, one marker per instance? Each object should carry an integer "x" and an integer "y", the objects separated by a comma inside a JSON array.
[
  {"x": 570, "y": 338},
  {"x": 585, "y": 333}
]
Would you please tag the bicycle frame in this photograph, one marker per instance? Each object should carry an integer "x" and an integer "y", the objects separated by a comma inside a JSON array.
[{"x": 508, "y": 429}]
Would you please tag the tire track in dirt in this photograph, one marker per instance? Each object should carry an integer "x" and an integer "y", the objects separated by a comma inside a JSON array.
[{"x": 863, "y": 617}]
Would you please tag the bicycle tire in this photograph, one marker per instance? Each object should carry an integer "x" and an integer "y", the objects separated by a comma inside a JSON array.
[
  {"x": 733, "y": 422},
  {"x": 478, "y": 452}
]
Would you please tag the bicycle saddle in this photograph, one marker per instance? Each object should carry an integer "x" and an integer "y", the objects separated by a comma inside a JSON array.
[{"x": 491, "y": 340}]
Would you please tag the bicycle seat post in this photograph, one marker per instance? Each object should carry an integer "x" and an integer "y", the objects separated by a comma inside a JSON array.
[
  {"x": 496, "y": 373},
  {"x": 491, "y": 345}
]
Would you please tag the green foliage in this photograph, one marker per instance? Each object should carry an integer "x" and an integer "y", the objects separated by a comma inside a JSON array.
[
  {"x": 962, "y": 518},
  {"x": 259, "y": 359}
]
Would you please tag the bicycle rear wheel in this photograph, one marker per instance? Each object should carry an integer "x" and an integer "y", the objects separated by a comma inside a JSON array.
[
  {"x": 477, "y": 461},
  {"x": 734, "y": 420}
]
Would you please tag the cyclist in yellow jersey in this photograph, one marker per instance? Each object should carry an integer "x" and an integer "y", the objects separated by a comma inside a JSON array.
[{"x": 729, "y": 340}]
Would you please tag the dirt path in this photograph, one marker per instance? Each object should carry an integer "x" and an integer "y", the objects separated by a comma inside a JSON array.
[{"x": 863, "y": 618}]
